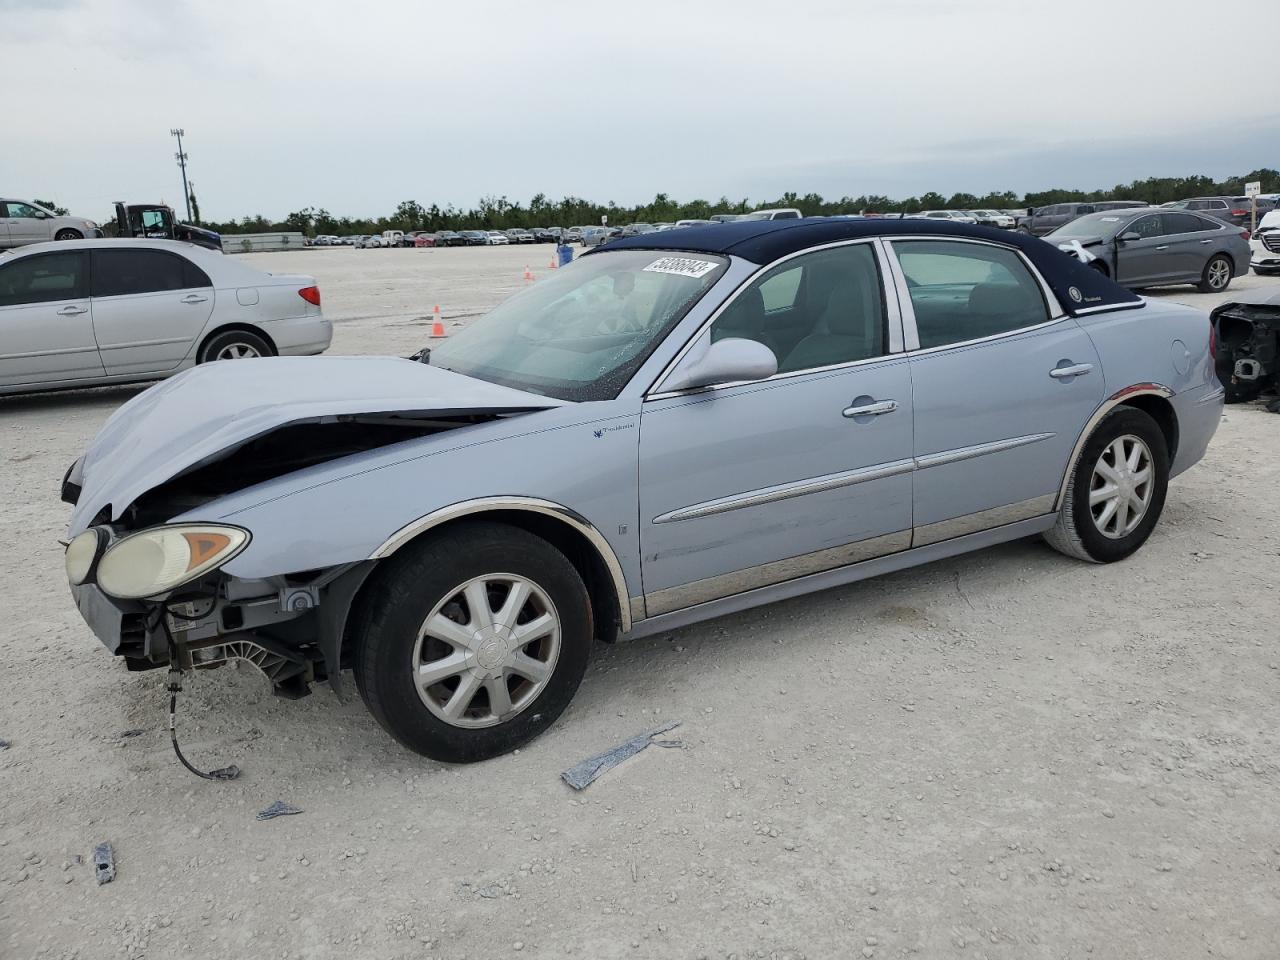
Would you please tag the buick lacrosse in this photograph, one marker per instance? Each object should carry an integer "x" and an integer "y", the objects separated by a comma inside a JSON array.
[{"x": 677, "y": 426}]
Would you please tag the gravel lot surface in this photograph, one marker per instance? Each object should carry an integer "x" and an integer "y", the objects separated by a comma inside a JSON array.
[{"x": 1006, "y": 755}]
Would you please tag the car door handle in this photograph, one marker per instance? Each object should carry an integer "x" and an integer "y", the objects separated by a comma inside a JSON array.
[
  {"x": 1075, "y": 370},
  {"x": 1206, "y": 241},
  {"x": 72, "y": 311},
  {"x": 193, "y": 298},
  {"x": 871, "y": 409},
  {"x": 1163, "y": 246}
]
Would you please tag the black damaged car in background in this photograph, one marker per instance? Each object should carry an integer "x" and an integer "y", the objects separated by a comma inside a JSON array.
[{"x": 1248, "y": 354}]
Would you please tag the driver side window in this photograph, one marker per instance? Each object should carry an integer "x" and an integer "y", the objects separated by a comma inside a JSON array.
[
  {"x": 817, "y": 310},
  {"x": 1148, "y": 227},
  {"x": 23, "y": 210}
]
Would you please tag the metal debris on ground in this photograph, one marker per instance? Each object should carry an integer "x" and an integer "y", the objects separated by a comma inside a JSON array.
[
  {"x": 278, "y": 809},
  {"x": 127, "y": 734},
  {"x": 104, "y": 863},
  {"x": 584, "y": 774}
]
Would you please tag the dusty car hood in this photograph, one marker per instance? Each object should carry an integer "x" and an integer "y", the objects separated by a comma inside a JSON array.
[
  {"x": 1255, "y": 298},
  {"x": 197, "y": 415}
]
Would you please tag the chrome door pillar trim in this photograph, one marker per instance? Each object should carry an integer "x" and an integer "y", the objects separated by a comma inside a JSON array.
[
  {"x": 785, "y": 491},
  {"x": 777, "y": 571},
  {"x": 1113, "y": 401},
  {"x": 978, "y": 450},
  {"x": 527, "y": 505},
  {"x": 982, "y": 520},
  {"x": 892, "y": 301}
]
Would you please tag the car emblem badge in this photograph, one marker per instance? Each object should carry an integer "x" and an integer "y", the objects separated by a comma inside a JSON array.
[{"x": 1074, "y": 294}]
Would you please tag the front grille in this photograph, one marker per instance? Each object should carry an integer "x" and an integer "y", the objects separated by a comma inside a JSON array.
[{"x": 1271, "y": 240}]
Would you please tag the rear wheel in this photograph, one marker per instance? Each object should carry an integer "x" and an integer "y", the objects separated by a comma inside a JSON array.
[
  {"x": 1216, "y": 276},
  {"x": 472, "y": 642},
  {"x": 68, "y": 234},
  {"x": 1116, "y": 491},
  {"x": 234, "y": 345}
]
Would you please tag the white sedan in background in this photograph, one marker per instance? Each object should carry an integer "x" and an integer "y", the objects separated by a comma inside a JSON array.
[{"x": 116, "y": 311}]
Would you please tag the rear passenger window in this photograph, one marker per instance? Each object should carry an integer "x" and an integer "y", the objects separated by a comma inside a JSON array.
[
  {"x": 817, "y": 310},
  {"x": 967, "y": 291},
  {"x": 124, "y": 272},
  {"x": 1186, "y": 223}
]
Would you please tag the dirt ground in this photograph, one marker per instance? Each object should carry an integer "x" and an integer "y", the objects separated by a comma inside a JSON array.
[{"x": 1005, "y": 755}]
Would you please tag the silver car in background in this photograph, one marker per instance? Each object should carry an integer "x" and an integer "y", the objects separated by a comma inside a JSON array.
[
  {"x": 1157, "y": 246},
  {"x": 116, "y": 311},
  {"x": 24, "y": 221},
  {"x": 674, "y": 427}
]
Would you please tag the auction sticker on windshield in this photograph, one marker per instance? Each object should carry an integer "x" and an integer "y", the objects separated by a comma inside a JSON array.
[{"x": 681, "y": 266}]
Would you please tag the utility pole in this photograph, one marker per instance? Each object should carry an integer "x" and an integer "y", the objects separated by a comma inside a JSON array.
[{"x": 182, "y": 162}]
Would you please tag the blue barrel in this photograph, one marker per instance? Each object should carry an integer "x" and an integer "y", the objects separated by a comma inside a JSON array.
[{"x": 565, "y": 253}]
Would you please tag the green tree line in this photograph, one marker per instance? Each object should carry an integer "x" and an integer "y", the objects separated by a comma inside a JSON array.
[{"x": 500, "y": 213}]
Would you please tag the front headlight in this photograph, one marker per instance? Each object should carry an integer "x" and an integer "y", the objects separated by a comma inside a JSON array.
[
  {"x": 91, "y": 225},
  {"x": 155, "y": 561},
  {"x": 82, "y": 554}
]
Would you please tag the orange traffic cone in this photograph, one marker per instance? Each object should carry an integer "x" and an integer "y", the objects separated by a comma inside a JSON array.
[
  {"x": 437, "y": 324},
  {"x": 528, "y": 274},
  {"x": 551, "y": 264}
]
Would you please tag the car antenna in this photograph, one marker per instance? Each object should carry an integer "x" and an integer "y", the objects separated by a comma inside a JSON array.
[{"x": 174, "y": 687}]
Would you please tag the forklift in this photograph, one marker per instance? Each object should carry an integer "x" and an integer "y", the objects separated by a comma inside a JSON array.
[{"x": 156, "y": 221}]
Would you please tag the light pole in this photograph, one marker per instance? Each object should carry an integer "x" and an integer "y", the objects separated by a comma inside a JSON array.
[{"x": 182, "y": 162}]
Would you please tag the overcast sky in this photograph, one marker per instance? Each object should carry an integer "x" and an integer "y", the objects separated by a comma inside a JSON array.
[{"x": 356, "y": 106}]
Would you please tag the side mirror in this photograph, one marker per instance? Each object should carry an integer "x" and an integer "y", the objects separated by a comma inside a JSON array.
[
  {"x": 1129, "y": 235},
  {"x": 41, "y": 215},
  {"x": 725, "y": 361}
]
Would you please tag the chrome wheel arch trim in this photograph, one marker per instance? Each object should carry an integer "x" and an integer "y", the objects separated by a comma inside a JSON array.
[
  {"x": 1113, "y": 401},
  {"x": 482, "y": 505}
]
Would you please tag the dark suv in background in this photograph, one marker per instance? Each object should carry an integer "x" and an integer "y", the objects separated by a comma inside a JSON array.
[
  {"x": 1236, "y": 211},
  {"x": 1046, "y": 219}
]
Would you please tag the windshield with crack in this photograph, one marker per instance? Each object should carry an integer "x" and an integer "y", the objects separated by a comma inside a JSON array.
[{"x": 581, "y": 332}]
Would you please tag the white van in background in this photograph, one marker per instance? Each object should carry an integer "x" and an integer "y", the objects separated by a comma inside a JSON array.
[
  {"x": 782, "y": 213},
  {"x": 393, "y": 238}
]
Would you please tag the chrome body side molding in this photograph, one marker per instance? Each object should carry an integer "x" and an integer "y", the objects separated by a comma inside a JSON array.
[
  {"x": 978, "y": 450},
  {"x": 840, "y": 576},
  {"x": 741, "y": 581},
  {"x": 467, "y": 508},
  {"x": 786, "y": 491},
  {"x": 983, "y": 520}
]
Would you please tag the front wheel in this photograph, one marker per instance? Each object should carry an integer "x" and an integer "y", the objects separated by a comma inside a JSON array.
[
  {"x": 68, "y": 234},
  {"x": 1216, "y": 276},
  {"x": 473, "y": 641},
  {"x": 1116, "y": 491}
]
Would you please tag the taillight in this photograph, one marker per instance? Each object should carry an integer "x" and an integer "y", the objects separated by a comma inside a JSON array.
[
  {"x": 310, "y": 294},
  {"x": 1213, "y": 342},
  {"x": 1239, "y": 213},
  {"x": 1245, "y": 233}
]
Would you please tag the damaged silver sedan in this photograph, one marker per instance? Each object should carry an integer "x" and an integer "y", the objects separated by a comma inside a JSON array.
[{"x": 675, "y": 427}]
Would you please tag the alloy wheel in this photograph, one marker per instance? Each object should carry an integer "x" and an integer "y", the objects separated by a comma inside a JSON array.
[
  {"x": 1121, "y": 487},
  {"x": 487, "y": 650},
  {"x": 1219, "y": 274},
  {"x": 237, "y": 351}
]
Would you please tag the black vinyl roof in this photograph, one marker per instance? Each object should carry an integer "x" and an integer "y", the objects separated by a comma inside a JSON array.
[{"x": 1078, "y": 287}]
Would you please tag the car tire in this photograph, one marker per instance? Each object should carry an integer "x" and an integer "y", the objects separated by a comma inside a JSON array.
[
  {"x": 1265, "y": 273},
  {"x": 234, "y": 345},
  {"x": 67, "y": 233},
  {"x": 1094, "y": 531},
  {"x": 434, "y": 581},
  {"x": 1216, "y": 276}
]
